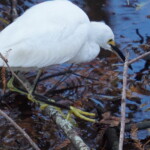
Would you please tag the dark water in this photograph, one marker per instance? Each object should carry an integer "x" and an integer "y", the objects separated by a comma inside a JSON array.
[{"x": 124, "y": 20}]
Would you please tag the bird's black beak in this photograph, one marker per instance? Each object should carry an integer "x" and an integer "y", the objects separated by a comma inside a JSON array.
[{"x": 117, "y": 51}]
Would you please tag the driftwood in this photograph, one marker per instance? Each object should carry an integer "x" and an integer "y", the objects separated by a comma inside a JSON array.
[{"x": 67, "y": 127}]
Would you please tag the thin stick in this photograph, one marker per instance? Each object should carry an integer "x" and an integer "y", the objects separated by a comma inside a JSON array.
[
  {"x": 6, "y": 62},
  {"x": 20, "y": 130},
  {"x": 139, "y": 57},
  {"x": 123, "y": 103}
]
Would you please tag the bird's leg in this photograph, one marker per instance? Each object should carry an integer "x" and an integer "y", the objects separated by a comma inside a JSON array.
[
  {"x": 32, "y": 88},
  {"x": 80, "y": 114},
  {"x": 26, "y": 84},
  {"x": 10, "y": 82},
  {"x": 13, "y": 88},
  {"x": 36, "y": 81},
  {"x": 71, "y": 110},
  {"x": 30, "y": 94},
  {"x": 28, "y": 90}
]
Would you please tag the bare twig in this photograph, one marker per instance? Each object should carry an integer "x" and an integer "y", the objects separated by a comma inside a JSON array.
[
  {"x": 139, "y": 57},
  {"x": 123, "y": 103},
  {"x": 6, "y": 62},
  {"x": 135, "y": 59},
  {"x": 20, "y": 130}
]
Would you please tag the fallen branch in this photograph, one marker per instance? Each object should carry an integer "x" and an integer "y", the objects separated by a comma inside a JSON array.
[
  {"x": 123, "y": 103},
  {"x": 62, "y": 123},
  {"x": 20, "y": 130},
  {"x": 67, "y": 127}
]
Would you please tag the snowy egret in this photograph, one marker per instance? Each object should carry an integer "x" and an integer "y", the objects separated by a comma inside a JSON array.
[{"x": 54, "y": 32}]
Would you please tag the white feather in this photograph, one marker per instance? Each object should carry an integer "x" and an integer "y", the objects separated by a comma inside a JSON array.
[{"x": 52, "y": 32}]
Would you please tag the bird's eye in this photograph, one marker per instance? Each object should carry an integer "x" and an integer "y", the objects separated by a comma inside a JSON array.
[{"x": 110, "y": 40}]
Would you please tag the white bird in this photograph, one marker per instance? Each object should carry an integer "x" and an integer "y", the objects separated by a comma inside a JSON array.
[{"x": 54, "y": 32}]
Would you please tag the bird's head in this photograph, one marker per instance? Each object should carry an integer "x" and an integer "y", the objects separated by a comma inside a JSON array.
[{"x": 104, "y": 36}]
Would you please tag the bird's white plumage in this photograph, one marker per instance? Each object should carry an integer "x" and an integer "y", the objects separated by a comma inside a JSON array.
[{"x": 53, "y": 32}]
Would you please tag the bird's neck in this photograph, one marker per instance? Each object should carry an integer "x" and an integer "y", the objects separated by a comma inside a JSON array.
[{"x": 97, "y": 33}]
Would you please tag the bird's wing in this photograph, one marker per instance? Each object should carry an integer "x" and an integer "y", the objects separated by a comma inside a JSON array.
[{"x": 49, "y": 33}]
